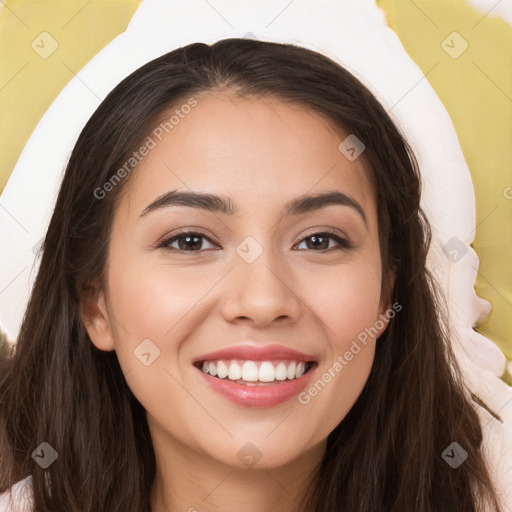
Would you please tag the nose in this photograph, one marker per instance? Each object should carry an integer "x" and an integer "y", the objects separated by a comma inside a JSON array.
[{"x": 261, "y": 292}]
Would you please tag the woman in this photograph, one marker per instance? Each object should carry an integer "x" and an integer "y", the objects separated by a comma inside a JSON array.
[{"x": 232, "y": 307}]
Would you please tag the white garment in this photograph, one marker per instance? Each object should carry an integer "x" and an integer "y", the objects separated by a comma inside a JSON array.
[{"x": 19, "y": 498}]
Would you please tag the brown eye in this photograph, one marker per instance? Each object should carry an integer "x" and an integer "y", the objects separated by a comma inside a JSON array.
[
  {"x": 322, "y": 241},
  {"x": 188, "y": 241}
]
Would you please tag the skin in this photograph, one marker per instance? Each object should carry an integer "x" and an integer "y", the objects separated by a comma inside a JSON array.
[{"x": 261, "y": 153}]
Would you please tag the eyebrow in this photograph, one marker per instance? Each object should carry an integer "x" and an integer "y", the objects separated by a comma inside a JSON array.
[{"x": 222, "y": 204}]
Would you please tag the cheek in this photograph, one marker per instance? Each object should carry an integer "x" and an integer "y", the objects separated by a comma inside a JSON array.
[
  {"x": 155, "y": 303},
  {"x": 346, "y": 302},
  {"x": 153, "y": 300},
  {"x": 346, "y": 299}
]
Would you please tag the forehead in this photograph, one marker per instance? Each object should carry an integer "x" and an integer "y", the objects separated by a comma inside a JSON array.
[{"x": 260, "y": 151}]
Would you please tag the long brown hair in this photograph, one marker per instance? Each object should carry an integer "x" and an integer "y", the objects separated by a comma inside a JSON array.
[{"x": 56, "y": 387}]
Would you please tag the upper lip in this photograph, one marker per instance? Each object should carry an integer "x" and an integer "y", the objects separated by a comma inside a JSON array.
[{"x": 255, "y": 353}]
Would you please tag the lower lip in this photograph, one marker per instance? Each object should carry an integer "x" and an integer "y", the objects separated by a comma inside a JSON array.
[{"x": 258, "y": 396}]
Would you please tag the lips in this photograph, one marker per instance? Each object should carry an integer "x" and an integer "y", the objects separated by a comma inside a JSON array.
[{"x": 257, "y": 394}]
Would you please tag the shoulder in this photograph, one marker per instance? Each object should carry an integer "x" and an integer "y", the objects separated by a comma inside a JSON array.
[{"x": 18, "y": 498}]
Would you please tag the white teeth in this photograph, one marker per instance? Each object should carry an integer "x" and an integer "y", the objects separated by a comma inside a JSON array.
[
  {"x": 254, "y": 371},
  {"x": 249, "y": 371},
  {"x": 291, "y": 370},
  {"x": 234, "y": 372},
  {"x": 222, "y": 370},
  {"x": 281, "y": 371},
  {"x": 267, "y": 372}
]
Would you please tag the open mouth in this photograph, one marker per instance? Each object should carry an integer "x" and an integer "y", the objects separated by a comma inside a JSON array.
[{"x": 256, "y": 373}]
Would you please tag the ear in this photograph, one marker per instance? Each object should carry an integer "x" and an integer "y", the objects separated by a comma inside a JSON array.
[
  {"x": 95, "y": 317},
  {"x": 387, "y": 292},
  {"x": 385, "y": 303}
]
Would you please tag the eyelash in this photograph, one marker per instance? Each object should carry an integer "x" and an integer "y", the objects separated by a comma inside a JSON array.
[{"x": 343, "y": 243}]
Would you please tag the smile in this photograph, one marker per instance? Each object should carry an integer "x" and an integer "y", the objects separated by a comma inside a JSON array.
[{"x": 256, "y": 383}]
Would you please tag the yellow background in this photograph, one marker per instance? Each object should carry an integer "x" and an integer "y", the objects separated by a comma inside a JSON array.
[{"x": 476, "y": 89}]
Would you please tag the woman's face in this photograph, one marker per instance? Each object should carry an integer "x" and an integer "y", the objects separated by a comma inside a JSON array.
[{"x": 265, "y": 274}]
